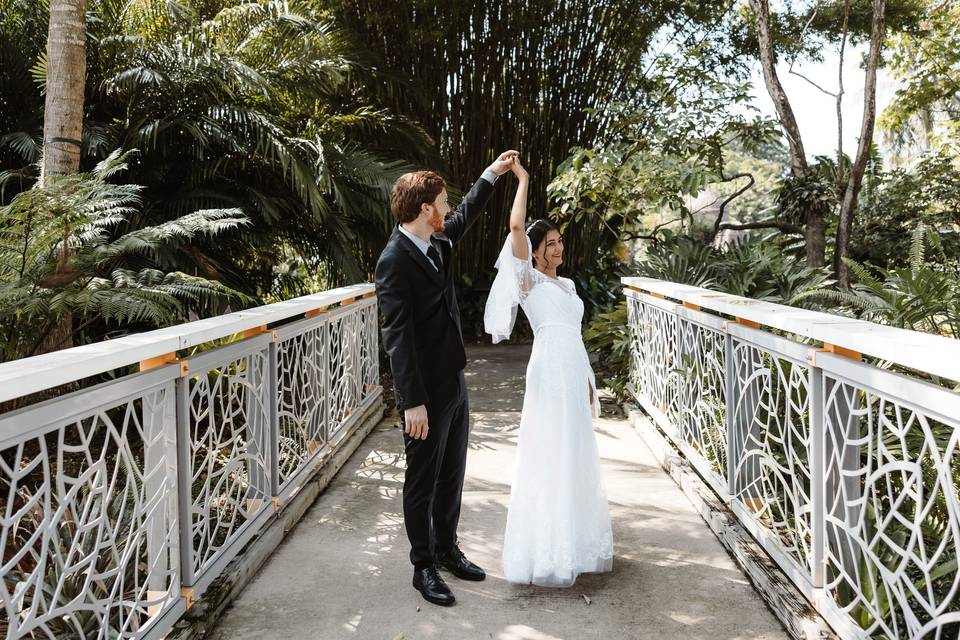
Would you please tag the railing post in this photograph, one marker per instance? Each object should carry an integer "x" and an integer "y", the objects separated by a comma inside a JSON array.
[
  {"x": 257, "y": 440},
  {"x": 327, "y": 365},
  {"x": 842, "y": 471},
  {"x": 184, "y": 485},
  {"x": 817, "y": 479},
  {"x": 357, "y": 372},
  {"x": 729, "y": 393},
  {"x": 273, "y": 428},
  {"x": 158, "y": 412}
]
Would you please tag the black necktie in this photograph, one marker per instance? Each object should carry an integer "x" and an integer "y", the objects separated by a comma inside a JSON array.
[{"x": 434, "y": 255}]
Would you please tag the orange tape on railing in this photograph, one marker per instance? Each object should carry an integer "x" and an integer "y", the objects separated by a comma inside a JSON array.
[
  {"x": 158, "y": 361},
  {"x": 842, "y": 351},
  {"x": 255, "y": 331}
]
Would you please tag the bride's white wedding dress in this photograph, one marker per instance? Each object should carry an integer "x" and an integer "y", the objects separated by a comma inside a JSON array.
[{"x": 558, "y": 523}]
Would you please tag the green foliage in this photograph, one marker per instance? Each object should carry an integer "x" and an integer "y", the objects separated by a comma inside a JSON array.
[
  {"x": 608, "y": 336},
  {"x": 535, "y": 75},
  {"x": 894, "y": 202},
  {"x": 922, "y": 296},
  {"x": 750, "y": 269},
  {"x": 665, "y": 152},
  {"x": 69, "y": 249},
  {"x": 804, "y": 30},
  {"x": 23, "y": 32},
  {"x": 815, "y": 193},
  {"x": 681, "y": 259},
  {"x": 747, "y": 268},
  {"x": 925, "y": 111},
  {"x": 767, "y": 165},
  {"x": 231, "y": 104}
]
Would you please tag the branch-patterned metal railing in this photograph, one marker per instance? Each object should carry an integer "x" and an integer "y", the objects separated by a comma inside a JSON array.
[
  {"x": 845, "y": 471},
  {"x": 122, "y": 501}
]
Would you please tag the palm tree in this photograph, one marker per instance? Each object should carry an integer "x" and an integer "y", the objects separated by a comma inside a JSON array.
[
  {"x": 249, "y": 105},
  {"x": 66, "y": 70},
  {"x": 63, "y": 123}
]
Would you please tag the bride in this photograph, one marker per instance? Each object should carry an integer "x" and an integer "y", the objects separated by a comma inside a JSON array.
[{"x": 558, "y": 524}]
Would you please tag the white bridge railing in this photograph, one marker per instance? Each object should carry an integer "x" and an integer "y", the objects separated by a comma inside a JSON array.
[
  {"x": 121, "y": 502},
  {"x": 847, "y": 473}
]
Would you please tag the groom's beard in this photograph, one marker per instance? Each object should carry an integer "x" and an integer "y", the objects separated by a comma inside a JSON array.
[{"x": 437, "y": 222}]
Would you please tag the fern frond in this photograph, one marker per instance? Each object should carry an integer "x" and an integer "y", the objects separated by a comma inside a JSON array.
[
  {"x": 865, "y": 277},
  {"x": 917, "y": 247}
]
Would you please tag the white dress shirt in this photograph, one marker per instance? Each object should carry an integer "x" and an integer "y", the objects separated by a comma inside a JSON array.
[{"x": 422, "y": 244}]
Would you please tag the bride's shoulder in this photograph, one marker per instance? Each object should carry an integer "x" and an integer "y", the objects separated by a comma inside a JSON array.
[{"x": 569, "y": 283}]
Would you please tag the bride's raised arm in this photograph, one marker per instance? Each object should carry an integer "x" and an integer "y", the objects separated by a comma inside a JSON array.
[{"x": 518, "y": 213}]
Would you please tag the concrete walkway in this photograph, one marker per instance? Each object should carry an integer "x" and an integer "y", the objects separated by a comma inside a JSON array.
[{"x": 343, "y": 572}]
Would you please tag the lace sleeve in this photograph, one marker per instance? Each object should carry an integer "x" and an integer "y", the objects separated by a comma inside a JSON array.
[
  {"x": 527, "y": 276},
  {"x": 515, "y": 278}
]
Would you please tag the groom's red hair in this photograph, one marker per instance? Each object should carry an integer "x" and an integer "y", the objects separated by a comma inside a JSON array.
[{"x": 412, "y": 190}]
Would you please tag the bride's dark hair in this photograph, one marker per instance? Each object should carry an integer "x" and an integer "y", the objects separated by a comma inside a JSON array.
[{"x": 537, "y": 231}]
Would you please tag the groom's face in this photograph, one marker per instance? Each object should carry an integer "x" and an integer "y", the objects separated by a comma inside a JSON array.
[{"x": 437, "y": 211}]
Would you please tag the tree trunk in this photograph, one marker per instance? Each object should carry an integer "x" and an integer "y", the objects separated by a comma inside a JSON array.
[
  {"x": 768, "y": 62},
  {"x": 63, "y": 119},
  {"x": 815, "y": 231},
  {"x": 855, "y": 180},
  {"x": 66, "y": 77},
  {"x": 815, "y": 234},
  {"x": 839, "y": 97}
]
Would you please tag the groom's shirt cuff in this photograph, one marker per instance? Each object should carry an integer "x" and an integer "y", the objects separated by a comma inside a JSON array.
[{"x": 490, "y": 176}]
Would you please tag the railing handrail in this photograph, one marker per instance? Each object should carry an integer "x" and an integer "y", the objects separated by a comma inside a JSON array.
[
  {"x": 933, "y": 354},
  {"x": 29, "y": 375}
]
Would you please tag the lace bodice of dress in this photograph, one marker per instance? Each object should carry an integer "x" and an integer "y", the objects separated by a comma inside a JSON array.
[{"x": 547, "y": 300}]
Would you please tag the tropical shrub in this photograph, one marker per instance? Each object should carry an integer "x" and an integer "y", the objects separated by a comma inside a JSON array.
[{"x": 73, "y": 249}]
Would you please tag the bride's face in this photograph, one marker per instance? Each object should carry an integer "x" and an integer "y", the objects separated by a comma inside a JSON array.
[{"x": 550, "y": 252}]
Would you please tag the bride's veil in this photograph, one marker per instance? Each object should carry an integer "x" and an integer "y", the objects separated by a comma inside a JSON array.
[{"x": 501, "y": 311}]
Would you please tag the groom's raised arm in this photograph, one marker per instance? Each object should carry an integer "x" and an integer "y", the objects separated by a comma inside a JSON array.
[
  {"x": 396, "y": 302},
  {"x": 476, "y": 199},
  {"x": 470, "y": 207}
]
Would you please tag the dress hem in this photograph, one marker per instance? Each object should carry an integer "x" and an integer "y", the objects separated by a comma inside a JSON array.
[{"x": 601, "y": 565}]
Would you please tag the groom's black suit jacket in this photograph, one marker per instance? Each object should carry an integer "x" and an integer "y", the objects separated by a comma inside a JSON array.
[{"x": 418, "y": 306}]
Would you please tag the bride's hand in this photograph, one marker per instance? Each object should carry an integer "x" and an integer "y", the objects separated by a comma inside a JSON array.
[{"x": 518, "y": 169}]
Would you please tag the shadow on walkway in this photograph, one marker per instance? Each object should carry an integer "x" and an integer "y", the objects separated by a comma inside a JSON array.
[{"x": 344, "y": 573}]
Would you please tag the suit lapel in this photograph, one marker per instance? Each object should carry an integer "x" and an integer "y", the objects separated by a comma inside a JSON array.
[{"x": 418, "y": 257}]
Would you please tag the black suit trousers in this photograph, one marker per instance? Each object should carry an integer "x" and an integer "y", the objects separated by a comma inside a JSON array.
[{"x": 433, "y": 482}]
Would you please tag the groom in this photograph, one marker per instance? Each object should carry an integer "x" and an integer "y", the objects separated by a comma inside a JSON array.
[{"x": 421, "y": 334}]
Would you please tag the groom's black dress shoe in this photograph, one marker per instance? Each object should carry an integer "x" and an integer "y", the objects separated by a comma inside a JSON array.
[
  {"x": 456, "y": 563},
  {"x": 432, "y": 587}
]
